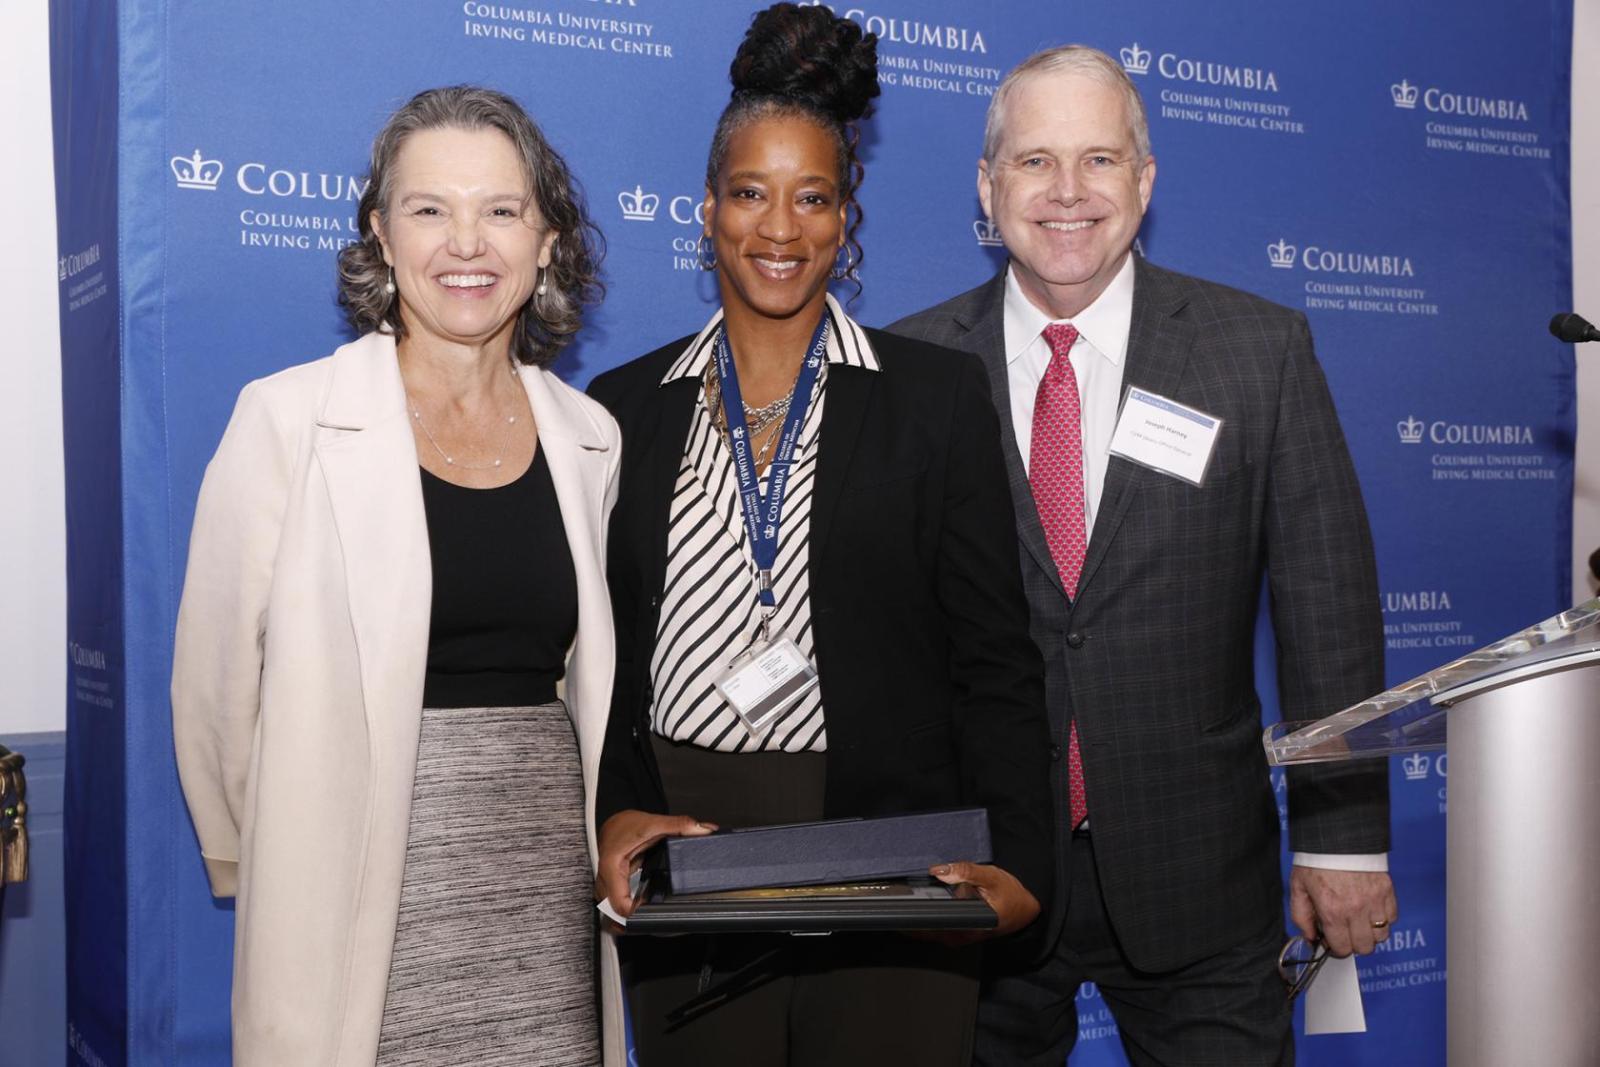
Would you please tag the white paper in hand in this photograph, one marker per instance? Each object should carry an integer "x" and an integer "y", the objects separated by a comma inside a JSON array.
[{"x": 1333, "y": 1003}]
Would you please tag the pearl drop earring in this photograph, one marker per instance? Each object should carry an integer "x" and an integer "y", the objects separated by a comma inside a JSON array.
[
  {"x": 388, "y": 286},
  {"x": 544, "y": 286}
]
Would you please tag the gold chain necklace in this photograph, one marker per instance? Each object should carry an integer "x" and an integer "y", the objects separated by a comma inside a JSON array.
[{"x": 757, "y": 419}]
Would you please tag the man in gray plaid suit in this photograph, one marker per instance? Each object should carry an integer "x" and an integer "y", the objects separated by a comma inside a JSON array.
[{"x": 1144, "y": 576}]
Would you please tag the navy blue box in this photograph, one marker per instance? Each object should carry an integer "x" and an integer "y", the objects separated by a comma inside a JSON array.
[{"x": 823, "y": 853}]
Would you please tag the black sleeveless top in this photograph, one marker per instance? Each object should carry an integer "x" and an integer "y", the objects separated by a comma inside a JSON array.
[{"x": 505, "y": 595}]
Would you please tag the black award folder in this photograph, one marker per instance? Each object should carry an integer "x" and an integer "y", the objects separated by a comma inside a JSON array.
[
  {"x": 839, "y": 875},
  {"x": 829, "y": 852}
]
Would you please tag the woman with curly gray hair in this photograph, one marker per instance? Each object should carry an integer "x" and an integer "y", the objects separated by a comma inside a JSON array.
[{"x": 396, "y": 558}]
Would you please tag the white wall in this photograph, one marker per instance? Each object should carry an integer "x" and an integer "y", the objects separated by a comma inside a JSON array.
[
  {"x": 1586, "y": 286},
  {"x": 33, "y": 538},
  {"x": 32, "y": 512}
]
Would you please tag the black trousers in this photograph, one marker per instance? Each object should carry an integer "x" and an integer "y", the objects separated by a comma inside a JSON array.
[
  {"x": 1229, "y": 1010},
  {"x": 839, "y": 1000}
]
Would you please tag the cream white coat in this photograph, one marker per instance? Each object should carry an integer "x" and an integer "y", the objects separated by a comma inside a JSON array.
[{"x": 297, "y": 683}]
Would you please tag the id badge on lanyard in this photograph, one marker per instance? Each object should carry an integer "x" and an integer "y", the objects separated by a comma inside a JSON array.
[
  {"x": 767, "y": 679},
  {"x": 764, "y": 681}
]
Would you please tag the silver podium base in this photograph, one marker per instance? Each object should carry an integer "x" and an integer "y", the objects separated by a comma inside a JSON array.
[{"x": 1523, "y": 870}]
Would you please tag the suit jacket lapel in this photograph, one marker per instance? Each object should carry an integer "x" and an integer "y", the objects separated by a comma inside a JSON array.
[
  {"x": 575, "y": 452},
  {"x": 672, "y": 412},
  {"x": 849, "y": 392},
  {"x": 986, "y": 335},
  {"x": 1158, "y": 350},
  {"x": 369, "y": 461}
]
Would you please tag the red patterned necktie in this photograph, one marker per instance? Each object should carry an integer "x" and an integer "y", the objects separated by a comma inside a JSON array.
[{"x": 1055, "y": 472}]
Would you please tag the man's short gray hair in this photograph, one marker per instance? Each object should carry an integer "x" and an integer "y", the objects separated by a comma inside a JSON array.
[{"x": 1071, "y": 59}]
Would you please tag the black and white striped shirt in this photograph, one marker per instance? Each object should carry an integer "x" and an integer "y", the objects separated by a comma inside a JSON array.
[{"x": 710, "y": 609}]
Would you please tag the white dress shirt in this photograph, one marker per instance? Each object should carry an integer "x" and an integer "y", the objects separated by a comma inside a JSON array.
[{"x": 1098, "y": 358}]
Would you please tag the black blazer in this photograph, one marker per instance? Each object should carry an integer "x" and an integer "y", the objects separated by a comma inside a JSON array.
[
  {"x": 932, "y": 689},
  {"x": 1155, "y": 657}
]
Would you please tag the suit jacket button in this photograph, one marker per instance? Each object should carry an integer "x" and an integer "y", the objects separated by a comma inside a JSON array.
[
  {"x": 1055, "y": 753},
  {"x": 1074, "y": 640}
]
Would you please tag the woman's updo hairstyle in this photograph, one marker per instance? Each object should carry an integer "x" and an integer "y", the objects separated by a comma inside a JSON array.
[{"x": 805, "y": 62}]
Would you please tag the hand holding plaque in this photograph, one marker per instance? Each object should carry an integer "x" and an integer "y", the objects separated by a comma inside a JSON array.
[
  {"x": 998, "y": 888},
  {"x": 624, "y": 839}
]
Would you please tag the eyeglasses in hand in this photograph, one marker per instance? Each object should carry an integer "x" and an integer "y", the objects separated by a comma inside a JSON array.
[{"x": 1299, "y": 963}]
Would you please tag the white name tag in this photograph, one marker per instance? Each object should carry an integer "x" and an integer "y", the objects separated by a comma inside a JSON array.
[
  {"x": 1165, "y": 435},
  {"x": 765, "y": 682}
]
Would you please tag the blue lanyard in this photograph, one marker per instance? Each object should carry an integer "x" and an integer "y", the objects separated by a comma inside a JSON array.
[{"x": 762, "y": 516}]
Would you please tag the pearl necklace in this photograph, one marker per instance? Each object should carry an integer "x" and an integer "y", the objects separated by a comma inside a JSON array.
[{"x": 450, "y": 460}]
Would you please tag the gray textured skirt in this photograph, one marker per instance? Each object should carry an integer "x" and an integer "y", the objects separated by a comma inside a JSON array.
[{"x": 494, "y": 951}]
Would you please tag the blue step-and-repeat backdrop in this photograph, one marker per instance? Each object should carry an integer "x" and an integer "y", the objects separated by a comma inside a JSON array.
[{"x": 1398, "y": 171}]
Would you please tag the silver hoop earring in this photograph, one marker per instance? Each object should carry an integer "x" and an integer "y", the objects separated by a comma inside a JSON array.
[
  {"x": 388, "y": 286},
  {"x": 839, "y": 273},
  {"x": 544, "y": 286},
  {"x": 708, "y": 261}
]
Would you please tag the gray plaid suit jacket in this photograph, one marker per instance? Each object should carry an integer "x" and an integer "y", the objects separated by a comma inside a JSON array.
[{"x": 1155, "y": 657}]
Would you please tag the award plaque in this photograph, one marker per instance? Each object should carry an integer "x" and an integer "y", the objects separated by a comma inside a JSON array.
[
  {"x": 818, "y": 877},
  {"x": 890, "y": 904}
]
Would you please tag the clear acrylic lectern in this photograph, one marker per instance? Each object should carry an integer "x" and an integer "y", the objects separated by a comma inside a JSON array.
[{"x": 1521, "y": 719}]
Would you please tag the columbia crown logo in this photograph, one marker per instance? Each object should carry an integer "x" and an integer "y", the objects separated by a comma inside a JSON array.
[
  {"x": 987, "y": 233},
  {"x": 1415, "y": 766},
  {"x": 1281, "y": 254},
  {"x": 638, "y": 205},
  {"x": 1404, "y": 94},
  {"x": 1410, "y": 430},
  {"x": 196, "y": 171},
  {"x": 1136, "y": 60}
]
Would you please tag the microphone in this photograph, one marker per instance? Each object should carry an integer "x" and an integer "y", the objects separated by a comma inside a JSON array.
[{"x": 1573, "y": 328}]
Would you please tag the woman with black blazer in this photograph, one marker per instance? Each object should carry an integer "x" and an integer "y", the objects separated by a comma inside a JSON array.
[{"x": 856, "y": 520}]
